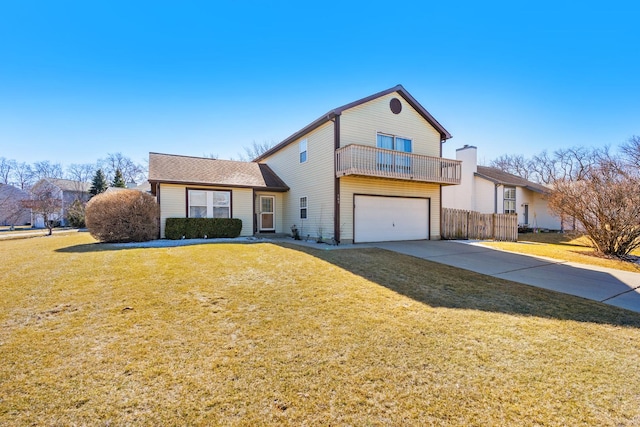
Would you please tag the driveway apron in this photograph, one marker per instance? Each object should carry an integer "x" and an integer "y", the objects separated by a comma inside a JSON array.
[{"x": 610, "y": 286}]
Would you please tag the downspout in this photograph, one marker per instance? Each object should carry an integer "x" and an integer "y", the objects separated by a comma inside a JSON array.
[
  {"x": 159, "y": 210},
  {"x": 442, "y": 140},
  {"x": 495, "y": 198},
  {"x": 254, "y": 215},
  {"x": 336, "y": 182}
]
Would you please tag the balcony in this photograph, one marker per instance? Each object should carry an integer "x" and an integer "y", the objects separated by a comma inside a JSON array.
[{"x": 365, "y": 160}]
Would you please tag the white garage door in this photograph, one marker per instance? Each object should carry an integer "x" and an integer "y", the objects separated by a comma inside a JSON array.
[{"x": 383, "y": 219}]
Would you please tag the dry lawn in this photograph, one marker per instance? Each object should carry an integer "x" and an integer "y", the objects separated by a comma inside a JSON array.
[
  {"x": 566, "y": 247},
  {"x": 260, "y": 334}
]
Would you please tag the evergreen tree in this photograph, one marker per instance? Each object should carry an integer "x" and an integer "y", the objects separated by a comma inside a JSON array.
[
  {"x": 99, "y": 183},
  {"x": 75, "y": 214},
  {"x": 118, "y": 180}
]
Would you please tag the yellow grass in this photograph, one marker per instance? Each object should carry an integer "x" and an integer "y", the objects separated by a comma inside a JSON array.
[
  {"x": 230, "y": 334},
  {"x": 566, "y": 247}
]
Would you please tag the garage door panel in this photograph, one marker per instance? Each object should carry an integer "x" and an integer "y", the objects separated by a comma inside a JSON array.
[{"x": 378, "y": 219}]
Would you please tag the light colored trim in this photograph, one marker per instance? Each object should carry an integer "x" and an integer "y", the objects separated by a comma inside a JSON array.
[
  {"x": 273, "y": 212},
  {"x": 394, "y": 140},
  {"x": 306, "y": 149},
  {"x": 306, "y": 207},
  {"x": 207, "y": 191}
]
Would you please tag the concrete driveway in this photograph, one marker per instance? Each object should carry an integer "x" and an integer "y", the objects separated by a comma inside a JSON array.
[{"x": 614, "y": 287}]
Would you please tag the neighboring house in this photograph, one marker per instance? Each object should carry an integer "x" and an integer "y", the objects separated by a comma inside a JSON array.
[
  {"x": 67, "y": 191},
  {"x": 490, "y": 190},
  {"x": 12, "y": 211},
  {"x": 371, "y": 170}
]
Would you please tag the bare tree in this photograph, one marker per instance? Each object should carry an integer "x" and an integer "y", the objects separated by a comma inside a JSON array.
[
  {"x": 131, "y": 171},
  {"x": 46, "y": 169},
  {"x": 6, "y": 170},
  {"x": 513, "y": 164},
  {"x": 45, "y": 201},
  {"x": 631, "y": 151},
  {"x": 255, "y": 150},
  {"x": 23, "y": 175},
  {"x": 562, "y": 164},
  {"x": 604, "y": 196},
  {"x": 81, "y": 172}
]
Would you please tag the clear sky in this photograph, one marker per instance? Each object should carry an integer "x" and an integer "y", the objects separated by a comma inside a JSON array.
[{"x": 82, "y": 79}]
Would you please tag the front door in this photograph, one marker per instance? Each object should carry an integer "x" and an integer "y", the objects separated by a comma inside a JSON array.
[{"x": 267, "y": 213}]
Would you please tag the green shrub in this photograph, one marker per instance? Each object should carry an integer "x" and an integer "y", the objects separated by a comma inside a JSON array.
[
  {"x": 75, "y": 214},
  {"x": 198, "y": 228}
]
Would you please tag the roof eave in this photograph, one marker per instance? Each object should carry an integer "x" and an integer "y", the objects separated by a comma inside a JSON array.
[
  {"x": 444, "y": 134},
  {"x": 310, "y": 127},
  {"x": 212, "y": 184},
  {"x": 488, "y": 178}
]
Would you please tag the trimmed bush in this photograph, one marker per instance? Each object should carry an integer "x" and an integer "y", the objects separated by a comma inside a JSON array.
[
  {"x": 197, "y": 228},
  {"x": 123, "y": 216}
]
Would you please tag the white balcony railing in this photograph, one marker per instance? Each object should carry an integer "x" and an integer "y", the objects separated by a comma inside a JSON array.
[{"x": 371, "y": 161}]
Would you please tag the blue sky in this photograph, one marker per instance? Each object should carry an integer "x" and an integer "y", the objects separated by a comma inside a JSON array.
[{"x": 79, "y": 80}]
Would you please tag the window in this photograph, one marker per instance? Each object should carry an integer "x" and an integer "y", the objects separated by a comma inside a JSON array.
[
  {"x": 303, "y": 208},
  {"x": 390, "y": 161},
  {"x": 509, "y": 200},
  {"x": 303, "y": 151},
  {"x": 209, "y": 204}
]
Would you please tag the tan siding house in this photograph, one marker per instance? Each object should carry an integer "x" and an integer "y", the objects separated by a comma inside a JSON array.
[
  {"x": 200, "y": 187},
  {"x": 313, "y": 178},
  {"x": 371, "y": 170}
]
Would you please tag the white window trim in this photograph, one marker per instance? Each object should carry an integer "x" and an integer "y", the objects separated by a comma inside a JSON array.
[
  {"x": 394, "y": 136},
  {"x": 306, "y": 207},
  {"x": 210, "y": 201},
  {"x": 505, "y": 199},
  {"x": 304, "y": 141}
]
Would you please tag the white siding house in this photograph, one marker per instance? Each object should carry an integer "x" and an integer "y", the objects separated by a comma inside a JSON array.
[{"x": 490, "y": 190}]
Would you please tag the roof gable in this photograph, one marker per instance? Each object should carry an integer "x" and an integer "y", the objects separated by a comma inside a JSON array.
[
  {"x": 444, "y": 134},
  {"x": 66, "y": 184},
  {"x": 176, "y": 169}
]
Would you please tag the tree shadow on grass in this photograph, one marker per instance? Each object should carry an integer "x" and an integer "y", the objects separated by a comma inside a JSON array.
[{"x": 439, "y": 285}]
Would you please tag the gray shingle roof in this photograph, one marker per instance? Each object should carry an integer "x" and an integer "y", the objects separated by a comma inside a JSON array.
[
  {"x": 204, "y": 171},
  {"x": 500, "y": 177},
  {"x": 70, "y": 185}
]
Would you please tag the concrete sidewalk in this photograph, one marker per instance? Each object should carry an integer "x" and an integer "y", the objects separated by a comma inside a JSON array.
[{"x": 610, "y": 286}]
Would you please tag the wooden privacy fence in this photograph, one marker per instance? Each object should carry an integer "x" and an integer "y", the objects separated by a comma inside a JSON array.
[{"x": 460, "y": 224}]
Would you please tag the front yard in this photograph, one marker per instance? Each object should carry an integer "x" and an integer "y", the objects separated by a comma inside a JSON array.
[
  {"x": 563, "y": 246},
  {"x": 261, "y": 334}
]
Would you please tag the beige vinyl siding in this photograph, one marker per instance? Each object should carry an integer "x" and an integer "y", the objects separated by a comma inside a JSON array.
[
  {"x": 313, "y": 179},
  {"x": 173, "y": 201},
  {"x": 242, "y": 207},
  {"x": 360, "y": 125},
  {"x": 172, "y": 204},
  {"x": 350, "y": 185}
]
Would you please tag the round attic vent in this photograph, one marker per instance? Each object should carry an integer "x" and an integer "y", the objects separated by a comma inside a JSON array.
[{"x": 395, "y": 105}]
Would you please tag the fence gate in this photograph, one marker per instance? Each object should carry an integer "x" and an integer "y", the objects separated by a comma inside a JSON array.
[{"x": 461, "y": 224}]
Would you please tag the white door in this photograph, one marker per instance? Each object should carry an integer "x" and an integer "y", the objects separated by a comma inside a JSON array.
[
  {"x": 267, "y": 213},
  {"x": 383, "y": 219}
]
